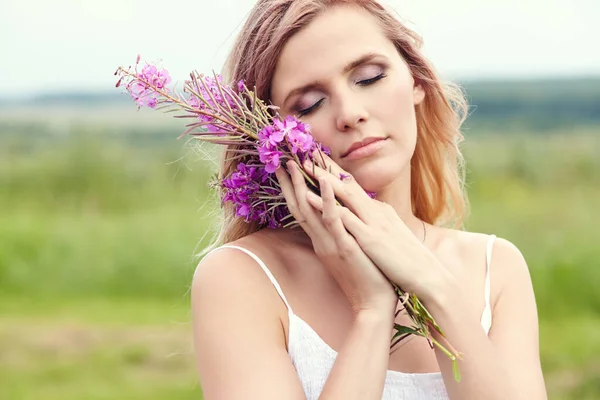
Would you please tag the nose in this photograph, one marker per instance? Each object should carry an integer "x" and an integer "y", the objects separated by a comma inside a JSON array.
[{"x": 351, "y": 113}]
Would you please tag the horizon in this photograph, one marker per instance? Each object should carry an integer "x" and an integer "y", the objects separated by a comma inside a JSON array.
[{"x": 116, "y": 92}]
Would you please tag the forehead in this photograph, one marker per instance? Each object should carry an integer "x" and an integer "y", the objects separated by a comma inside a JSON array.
[{"x": 325, "y": 46}]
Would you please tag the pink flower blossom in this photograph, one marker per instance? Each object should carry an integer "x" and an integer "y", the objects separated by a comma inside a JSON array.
[
  {"x": 270, "y": 136},
  {"x": 241, "y": 85},
  {"x": 300, "y": 140},
  {"x": 142, "y": 95},
  {"x": 270, "y": 158},
  {"x": 155, "y": 77}
]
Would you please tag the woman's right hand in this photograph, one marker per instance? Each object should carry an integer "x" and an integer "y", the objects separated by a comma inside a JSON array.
[{"x": 366, "y": 287}]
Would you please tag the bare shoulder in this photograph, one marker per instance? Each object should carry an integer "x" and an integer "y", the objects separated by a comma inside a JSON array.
[
  {"x": 468, "y": 252},
  {"x": 467, "y": 249},
  {"x": 235, "y": 274},
  {"x": 473, "y": 245},
  {"x": 236, "y": 315}
]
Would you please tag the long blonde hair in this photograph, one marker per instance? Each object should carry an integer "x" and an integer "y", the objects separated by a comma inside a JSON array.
[{"x": 437, "y": 178}]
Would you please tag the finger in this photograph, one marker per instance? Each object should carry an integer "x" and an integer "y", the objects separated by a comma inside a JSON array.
[
  {"x": 323, "y": 242},
  {"x": 299, "y": 186},
  {"x": 325, "y": 162},
  {"x": 287, "y": 188},
  {"x": 332, "y": 167},
  {"x": 348, "y": 191},
  {"x": 345, "y": 243},
  {"x": 331, "y": 214},
  {"x": 315, "y": 201},
  {"x": 332, "y": 170},
  {"x": 351, "y": 222}
]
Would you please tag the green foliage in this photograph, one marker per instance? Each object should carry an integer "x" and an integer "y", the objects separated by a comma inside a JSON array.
[
  {"x": 99, "y": 228},
  {"x": 537, "y": 106}
]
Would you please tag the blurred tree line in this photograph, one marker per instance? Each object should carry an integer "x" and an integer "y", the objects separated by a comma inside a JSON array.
[
  {"x": 537, "y": 106},
  {"x": 534, "y": 105}
]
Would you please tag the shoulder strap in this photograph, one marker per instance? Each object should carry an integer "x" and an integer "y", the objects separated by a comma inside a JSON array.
[
  {"x": 487, "y": 311},
  {"x": 488, "y": 260},
  {"x": 264, "y": 268}
]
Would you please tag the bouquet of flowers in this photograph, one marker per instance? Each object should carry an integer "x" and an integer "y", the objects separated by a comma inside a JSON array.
[{"x": 259, "y": 141}]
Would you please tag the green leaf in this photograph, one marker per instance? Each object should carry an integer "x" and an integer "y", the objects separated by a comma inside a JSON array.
[{"x": 401, "y": 330}]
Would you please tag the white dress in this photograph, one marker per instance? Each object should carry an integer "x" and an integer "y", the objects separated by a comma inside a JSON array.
[{"x": 314, "y": 359}]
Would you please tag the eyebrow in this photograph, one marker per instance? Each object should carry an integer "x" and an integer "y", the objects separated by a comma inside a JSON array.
[{"x": 349, "y": 67}]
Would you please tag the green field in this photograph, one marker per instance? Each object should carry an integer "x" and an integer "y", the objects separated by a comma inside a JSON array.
[{"x": 99, "y": 224}]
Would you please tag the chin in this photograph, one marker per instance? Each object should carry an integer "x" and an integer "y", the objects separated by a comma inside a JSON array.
[{"x": 378, "y": 174}]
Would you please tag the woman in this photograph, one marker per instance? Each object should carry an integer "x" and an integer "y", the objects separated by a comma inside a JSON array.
[{"x": 309, "y": 312}]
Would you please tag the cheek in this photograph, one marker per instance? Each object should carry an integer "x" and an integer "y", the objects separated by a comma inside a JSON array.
[
  {"x": 397, "y": 111},
  {"x": 320, "y": 127},
  {"x": 398, "y": 101}
]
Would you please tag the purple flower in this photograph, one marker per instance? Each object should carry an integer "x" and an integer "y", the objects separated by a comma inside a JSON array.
[
  {"x": 241, "y": 85},
  {"x": 149, "y": 81},
  {"x": 288, "y": 124},
  {"x": 149, "y": 101},
  {"x": 242, "y": 188},
  {"x": 194, "y": 102},
  {"x": 143, "y": 96},
  {"x": 216, "y": 129},
  {"x": 270, "y": 158},
  {"x": 300, "y": 140},
  {"x": 325, "y": 150},
  {"x": 296, "y": 132},
  {"x": 155, "y": 77},
  {"x": 212, "y": 85},
  {"x": 242, "y": 210},
  {"x": 270, "y": 136},
  {"x": 215, "y": 96},
  {"x": 246, "y": 188},
  {"x": 246, "y": 175}
]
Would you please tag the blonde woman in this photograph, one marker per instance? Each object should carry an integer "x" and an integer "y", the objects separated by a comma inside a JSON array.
[{"x": 308, "y": 313}]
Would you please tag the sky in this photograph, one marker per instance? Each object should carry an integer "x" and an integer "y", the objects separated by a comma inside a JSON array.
[{"x": 74, "y": 45}]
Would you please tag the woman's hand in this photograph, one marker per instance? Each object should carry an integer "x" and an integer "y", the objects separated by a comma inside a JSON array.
[
  {"x": 380, "y": 232},
  {"x": 362, "y": 282}
]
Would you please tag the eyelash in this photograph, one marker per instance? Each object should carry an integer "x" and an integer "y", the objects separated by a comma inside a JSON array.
[{"x": 364, "y": 82}]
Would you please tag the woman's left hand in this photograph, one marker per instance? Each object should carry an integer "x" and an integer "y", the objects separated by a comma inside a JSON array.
[{"x": 380, "y": 232}]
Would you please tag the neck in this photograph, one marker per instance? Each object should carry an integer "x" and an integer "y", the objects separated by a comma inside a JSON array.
[{"x": 398, "y": 195}]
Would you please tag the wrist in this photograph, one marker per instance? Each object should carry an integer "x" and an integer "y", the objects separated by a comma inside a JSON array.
[
  {"x": 440, "y": 290},
  {"x": 375, "y": 317}
]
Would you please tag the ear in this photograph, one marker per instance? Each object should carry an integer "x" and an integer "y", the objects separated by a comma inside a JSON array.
[{"x": 418, "y": 94}]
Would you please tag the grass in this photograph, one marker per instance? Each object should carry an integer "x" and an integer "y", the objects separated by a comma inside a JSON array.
[
  {"x": 97, "y": 243},
  {"x": 58, "y": 360}
]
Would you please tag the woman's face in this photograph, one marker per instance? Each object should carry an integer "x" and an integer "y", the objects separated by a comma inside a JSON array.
[{"x": 343, "y": 77}]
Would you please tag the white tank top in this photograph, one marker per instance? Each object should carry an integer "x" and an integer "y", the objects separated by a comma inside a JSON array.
[{"x": 313, "y": 359}]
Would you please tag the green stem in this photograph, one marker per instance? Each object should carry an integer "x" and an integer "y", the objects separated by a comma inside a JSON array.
[{"x": 189, "y": 108}]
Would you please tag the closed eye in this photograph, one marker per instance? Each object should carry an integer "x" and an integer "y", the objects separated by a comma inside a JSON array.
[
  {"x": 371, "y": 80},
  {"x": 307, "y": 111},
  {"x": 364, "y": 82}
]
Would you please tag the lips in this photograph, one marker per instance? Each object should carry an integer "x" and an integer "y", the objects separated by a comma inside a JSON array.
[{"x": 362, "y": 143}]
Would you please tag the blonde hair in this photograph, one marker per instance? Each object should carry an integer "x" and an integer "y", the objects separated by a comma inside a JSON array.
[{"x": 437, "y": 177}]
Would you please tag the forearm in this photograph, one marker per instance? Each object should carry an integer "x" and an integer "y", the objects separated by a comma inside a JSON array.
[
  {"x": 483, "y": 374},
  {"x": 360, "y": 367}
]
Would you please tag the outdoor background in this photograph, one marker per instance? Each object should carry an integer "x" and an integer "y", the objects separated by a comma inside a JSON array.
[{"x": 102, "y": 209}]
